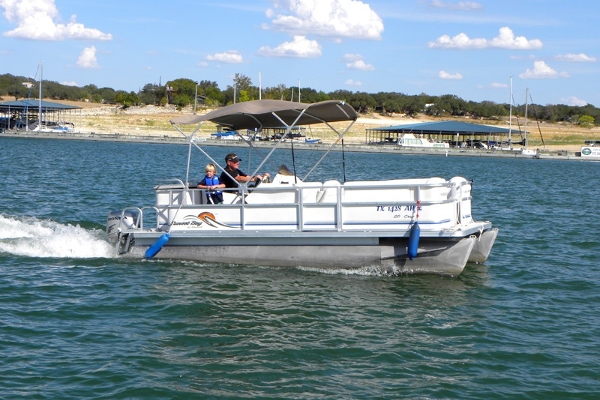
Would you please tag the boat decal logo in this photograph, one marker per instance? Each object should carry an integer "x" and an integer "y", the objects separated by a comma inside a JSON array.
[
  {"x": 204, "y": 218},
  {"x": 209, "y": 219}
]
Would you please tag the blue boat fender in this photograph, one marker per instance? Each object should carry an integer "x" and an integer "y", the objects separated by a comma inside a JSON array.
[
  {"x": 413, "y": 241},
  {"x": 157, "y": 246}
]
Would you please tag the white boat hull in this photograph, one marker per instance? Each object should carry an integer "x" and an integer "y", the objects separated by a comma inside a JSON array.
[
  {"x": 315, "y": 225},
  {"x": 444, "y": 257},
  {"x": 483, "y": 246}
]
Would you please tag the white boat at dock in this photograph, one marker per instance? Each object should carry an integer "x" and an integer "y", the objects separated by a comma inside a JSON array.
[
  {"x": 397, "y": 226},
  {"x": 55, "y": 127},
  {"x": 410, "y": 140}
]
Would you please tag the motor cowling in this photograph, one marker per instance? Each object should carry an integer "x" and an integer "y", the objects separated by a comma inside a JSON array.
[{"x": 119, "y": 221}]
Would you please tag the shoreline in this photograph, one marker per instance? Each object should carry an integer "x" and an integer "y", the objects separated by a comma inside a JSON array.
[
  {"x": 553, "y": 154},
  {"x": 152, "y": 123}
]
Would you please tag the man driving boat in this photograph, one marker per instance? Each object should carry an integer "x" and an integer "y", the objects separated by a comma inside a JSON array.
[{"x": 232, "y": 176}]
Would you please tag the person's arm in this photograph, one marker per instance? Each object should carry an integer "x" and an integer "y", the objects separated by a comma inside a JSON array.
[
  {"x": 246, "y": 178},
  {"x": 241, "y": 177}
]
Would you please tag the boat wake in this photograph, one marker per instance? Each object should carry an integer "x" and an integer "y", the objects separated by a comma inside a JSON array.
[
  {"x": 32, "y": 237},
  {"x": 367, "y": 270}
]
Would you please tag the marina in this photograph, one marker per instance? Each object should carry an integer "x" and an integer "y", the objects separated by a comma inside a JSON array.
[{"x": 558, "y": 154}]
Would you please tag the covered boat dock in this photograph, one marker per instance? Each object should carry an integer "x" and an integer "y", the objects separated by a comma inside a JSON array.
[
  {"x": 25, "y": 114},
  {"x": 457, "y": 134}
]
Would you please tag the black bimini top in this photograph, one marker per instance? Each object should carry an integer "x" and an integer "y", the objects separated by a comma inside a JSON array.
[{"x": 273, "y": 114}]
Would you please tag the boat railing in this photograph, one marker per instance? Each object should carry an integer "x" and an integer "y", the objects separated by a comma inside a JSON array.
[{"x": 304, "y": 202}]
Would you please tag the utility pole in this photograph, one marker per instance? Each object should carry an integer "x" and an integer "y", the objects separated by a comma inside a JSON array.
[{"x": 196, "y": 98}]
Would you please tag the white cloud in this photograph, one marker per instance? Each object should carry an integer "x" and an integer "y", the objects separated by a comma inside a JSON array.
[
  {"x": 497, "y": 85},
  {"x": 229, "y": 57},
  {"x": 37, "y": 20},
  {"x": 352, "y": 82},
  {"x": 87, "y": 58},
  {"x": 446, "y": 75},
  {"x": 69, "y": 83},
  {"x": 360, "y": 65},
  {"x": 573, "y": 101},
  {"x": 203, "y": 64},
  {"x": 575, "y": 58},
  {"x": 541, "y": 70},
  {"x": 299, "y": 47},
  {"x": 331, "y": 18},
  {"x": 462, "y": 5},
  {"x": 505, "y": 40},
  {"x": 356, "y": 61}
]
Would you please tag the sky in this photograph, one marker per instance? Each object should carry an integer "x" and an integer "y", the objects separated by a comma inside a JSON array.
[{"x": 475, "y": 50}]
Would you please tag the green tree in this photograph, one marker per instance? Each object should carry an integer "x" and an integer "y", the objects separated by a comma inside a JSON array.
[
  {"x": 362, "y": 102},
  {"x": 181, "y": 91},
  {"x": 213, "y": 96},
  {"x": 414, "y": 106},
  {"x": 242, "y": 82},
  {"x": 126, "y": 99},
  {"x": 243, "y": 96},
  {"x": 18, "y": 91},
  {"x": 151, "y": 93},
  {"x": 586, "y": 120}
]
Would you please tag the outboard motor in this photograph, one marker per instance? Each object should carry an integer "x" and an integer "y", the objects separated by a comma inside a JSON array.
[{"x": 114, "y": 224}]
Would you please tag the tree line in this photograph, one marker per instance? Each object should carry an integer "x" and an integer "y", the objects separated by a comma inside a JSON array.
[{"x": 185, "y": 92}]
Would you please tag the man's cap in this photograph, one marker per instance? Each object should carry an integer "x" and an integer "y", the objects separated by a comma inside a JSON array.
[{"x": 232, "y": 157}]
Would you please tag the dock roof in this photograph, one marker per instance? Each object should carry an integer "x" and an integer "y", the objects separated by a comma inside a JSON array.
[
  {"x": 47, "y": 106},
  {"x": 444, "y": 127}
]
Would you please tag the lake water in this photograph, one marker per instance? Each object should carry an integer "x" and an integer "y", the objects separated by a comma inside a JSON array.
[{"x": 77, "y": 322}]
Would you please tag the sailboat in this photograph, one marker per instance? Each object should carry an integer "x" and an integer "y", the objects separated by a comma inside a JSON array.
[
  {"x": 524, "y": 150},
  {"x": 40, "y": 127},
  {"x": 510, "y": 104},
  {"x": 49, "y": 127}
]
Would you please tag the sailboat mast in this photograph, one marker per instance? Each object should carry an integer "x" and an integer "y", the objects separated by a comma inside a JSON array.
[
  {"x": 510, "y": 114},
  {"x": 525, "y": 126},
  {"x": 40, "y": 99}
]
